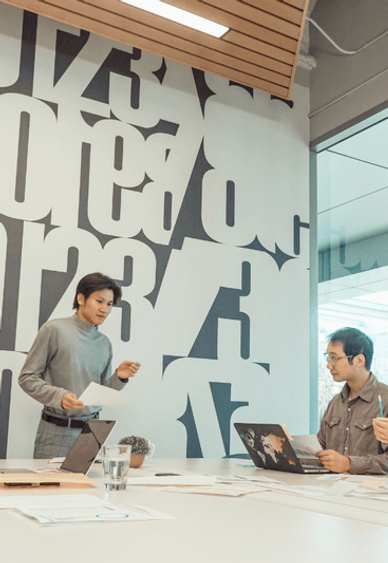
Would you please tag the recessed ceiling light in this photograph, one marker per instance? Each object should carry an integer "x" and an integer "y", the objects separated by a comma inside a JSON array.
[{"x": 179, "y": 16}]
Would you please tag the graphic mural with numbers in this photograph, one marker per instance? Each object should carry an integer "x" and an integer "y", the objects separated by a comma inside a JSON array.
[{"x": 189, "y": 190}]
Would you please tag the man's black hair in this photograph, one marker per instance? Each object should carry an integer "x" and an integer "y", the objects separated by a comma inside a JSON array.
[
  {"x": 94, "y": 282},
  {"x": 355, "y": 342}
]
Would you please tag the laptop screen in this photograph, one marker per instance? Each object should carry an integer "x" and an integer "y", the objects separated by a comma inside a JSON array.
[{"x": 87, "y": 446}]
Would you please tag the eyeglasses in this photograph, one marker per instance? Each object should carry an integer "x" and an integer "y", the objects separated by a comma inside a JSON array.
[{"x": 333, "y": 361}]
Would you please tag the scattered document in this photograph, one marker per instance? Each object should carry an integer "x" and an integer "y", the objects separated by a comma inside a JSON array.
[
  {"x": 52, "y": 509},
  {"x": 372, "y": 485},
  {"x": 220, "y": 490},
  {"x": 226, "y": 485},
  {"x": 239, "y": 479},
  {"x": 367, "y": 487},
  {"x": 173, "y": 480},
  {"x": 102, "y": 396},
  {"x": 333, "y": 477},
  {"x": 362, "y": 478},
  {"x": 298, "y": 490},
  {"x": 103, "y": 513}
]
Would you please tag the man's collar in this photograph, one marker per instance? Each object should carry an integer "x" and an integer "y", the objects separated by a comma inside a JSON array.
[
  {"x": 366, "y": 393},
  {"x": 82, "y": 325}
]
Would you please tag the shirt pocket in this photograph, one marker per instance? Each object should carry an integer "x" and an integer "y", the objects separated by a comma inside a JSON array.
[
  {"x": 363, "y": 439},
  {"x": 363, "y": 423},
  {"x": 333, "y": 421}
]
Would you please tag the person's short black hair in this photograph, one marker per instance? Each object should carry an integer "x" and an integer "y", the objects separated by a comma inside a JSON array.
[
  {"x": 94, "y": 282},
  {"x": 355, "y": 342}
]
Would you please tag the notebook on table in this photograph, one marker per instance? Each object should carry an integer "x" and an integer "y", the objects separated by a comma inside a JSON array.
[
  {"x": 78, "y": 461},
  {"x": 270, "y": 448}
]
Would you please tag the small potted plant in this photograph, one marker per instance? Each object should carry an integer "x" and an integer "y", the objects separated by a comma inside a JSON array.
[{"x": 140, "y": 448}]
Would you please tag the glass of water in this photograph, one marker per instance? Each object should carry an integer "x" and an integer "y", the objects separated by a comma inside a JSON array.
[{"x": 116, "y": 460}]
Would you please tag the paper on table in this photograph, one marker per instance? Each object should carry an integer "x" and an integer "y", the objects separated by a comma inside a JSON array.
[
  {"x": 102, "y": 513},
  {"x": 370, "y": 487},
  {"x": 51, "y": 509},
  {"x": 225, "y": 490},
  {"x": 333, "y": 477},
  {"x": 163, "y": 480},
  {"x": 239, "y": 479},
  {"x": 299, "y": 490},
  {"x": 102, "y": 396}
]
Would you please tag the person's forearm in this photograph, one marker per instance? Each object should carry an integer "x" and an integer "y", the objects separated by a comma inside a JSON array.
[
  {"x": 115, "y": 382},
  {"x": 109, "y": 380},
  {"x": 369, "y": 464},
  {"x": 41, "y": 391}
]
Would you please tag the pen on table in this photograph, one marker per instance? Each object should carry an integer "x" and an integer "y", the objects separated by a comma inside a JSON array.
[{"x": 381, "y": 407}]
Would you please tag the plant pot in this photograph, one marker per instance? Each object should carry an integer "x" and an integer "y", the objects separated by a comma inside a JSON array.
[{"x": 136, "y": 460}]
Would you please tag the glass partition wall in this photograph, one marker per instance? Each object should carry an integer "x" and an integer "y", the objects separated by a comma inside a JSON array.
[{"x": 352, "y": 235}]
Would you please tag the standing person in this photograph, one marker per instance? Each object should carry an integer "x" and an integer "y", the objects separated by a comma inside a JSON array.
[
  {"x": 346, "y": 433},
  {"x": 66, "y": 356}
]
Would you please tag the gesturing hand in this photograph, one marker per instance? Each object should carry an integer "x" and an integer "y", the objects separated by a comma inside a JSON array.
[
  {"x": 333, "y": 461},
  {"x": 70, "y": 401},
  {"x": 127, "y": 369}
]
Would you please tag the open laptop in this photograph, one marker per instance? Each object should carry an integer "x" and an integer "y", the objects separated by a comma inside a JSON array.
[
  {"x": 84, "y": 450},
  {"x": 87, "y": 446},
  {"x": 270, "y": 448}
]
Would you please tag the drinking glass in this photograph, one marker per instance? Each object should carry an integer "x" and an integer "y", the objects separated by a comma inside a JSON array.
[{"x": 116, "y": 459}]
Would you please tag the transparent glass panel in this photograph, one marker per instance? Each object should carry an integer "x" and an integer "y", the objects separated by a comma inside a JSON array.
[{"x": 352, "y": 181}]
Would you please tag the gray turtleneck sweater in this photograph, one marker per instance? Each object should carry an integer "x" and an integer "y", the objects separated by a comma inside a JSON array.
[{"x": 67, "y": 354}]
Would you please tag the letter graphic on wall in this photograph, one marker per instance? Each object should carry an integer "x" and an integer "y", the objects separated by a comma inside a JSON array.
[{"x": 181, "y": 186}]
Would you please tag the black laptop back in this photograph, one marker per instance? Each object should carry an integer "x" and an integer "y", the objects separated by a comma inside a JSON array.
[
  {"x": 269, "y": 447},
  {"x": 87, "y": 446}
]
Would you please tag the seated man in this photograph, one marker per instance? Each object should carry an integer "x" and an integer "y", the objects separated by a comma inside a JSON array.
[{"x": 346, "y": 433}]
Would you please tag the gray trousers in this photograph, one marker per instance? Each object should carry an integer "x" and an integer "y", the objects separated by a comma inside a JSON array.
[{"x": 54, "y": 441}]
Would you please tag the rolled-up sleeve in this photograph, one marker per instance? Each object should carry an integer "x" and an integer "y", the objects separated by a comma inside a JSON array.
[
  {"x": 372, "y": 464},
  {"x": 113, "y": 381}
]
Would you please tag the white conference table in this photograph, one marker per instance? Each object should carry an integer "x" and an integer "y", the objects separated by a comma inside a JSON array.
[{"x": 273, "y": 527}]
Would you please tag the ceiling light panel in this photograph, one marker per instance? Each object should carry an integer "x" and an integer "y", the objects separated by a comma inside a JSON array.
[
  {"x": 260, "y": 50},
  {"x": 178, "y": 15}
]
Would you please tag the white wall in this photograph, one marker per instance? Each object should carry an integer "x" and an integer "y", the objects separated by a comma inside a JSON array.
[{"x": 215, "y": 287}]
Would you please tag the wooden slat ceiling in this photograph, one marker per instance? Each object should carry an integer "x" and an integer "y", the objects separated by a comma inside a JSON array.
[{"x": 260, "y": 50}]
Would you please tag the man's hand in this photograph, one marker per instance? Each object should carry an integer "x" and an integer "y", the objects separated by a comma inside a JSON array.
[
  {"x": 380, "y": 427},
  {"x": 127, "y": 369},
  {"x": 70, "y": 401},
  {"x": 333, "y": 461}
]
